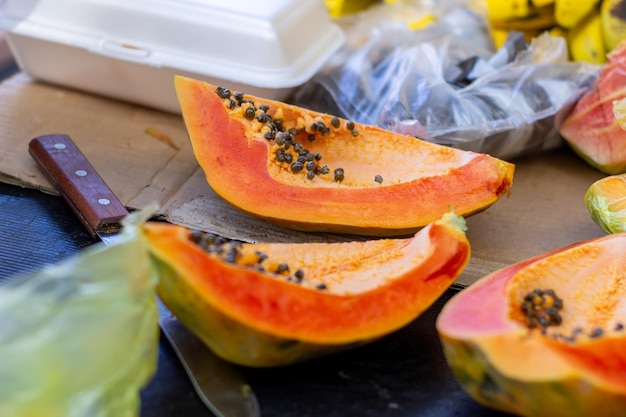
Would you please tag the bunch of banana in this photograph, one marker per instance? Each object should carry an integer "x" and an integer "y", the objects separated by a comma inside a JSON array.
[
  {"x": 338, "y": 8},
  {"x": 592, "y": 28}
]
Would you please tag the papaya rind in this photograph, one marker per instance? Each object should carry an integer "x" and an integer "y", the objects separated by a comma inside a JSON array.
[
  {"x": 503, "y": 366},
  {"x": 251, "y": 318},
  {"x": 231, "y": 339},
  {"x": 235, "y": 159},
  {"x": 571, "y": 396}
]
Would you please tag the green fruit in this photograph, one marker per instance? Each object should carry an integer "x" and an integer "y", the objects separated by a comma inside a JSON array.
[{"x": 606, "y": 202}]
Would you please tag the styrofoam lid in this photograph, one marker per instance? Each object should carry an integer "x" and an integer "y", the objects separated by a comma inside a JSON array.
[{"x": 275, "y": 44}]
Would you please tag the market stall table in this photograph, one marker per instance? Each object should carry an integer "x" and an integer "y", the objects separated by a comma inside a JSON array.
[{"x": 403, "y": 374}]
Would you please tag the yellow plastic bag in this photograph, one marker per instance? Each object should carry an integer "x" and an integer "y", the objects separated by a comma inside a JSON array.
[{"x": 80, "y": 338}]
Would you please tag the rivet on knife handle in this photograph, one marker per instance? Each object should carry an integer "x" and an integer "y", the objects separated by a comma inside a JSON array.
[{"x": 63, "y": 162}]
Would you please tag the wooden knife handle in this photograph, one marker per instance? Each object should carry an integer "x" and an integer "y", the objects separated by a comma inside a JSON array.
[{"x": 78, "y": 182}]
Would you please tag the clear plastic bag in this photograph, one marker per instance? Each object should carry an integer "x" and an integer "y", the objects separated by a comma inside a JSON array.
[
  {"x": 80, "y": 338},
  {"x": 447, "y": 84}
]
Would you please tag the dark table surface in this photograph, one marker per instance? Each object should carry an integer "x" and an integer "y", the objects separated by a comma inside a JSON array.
[{"x": 401, "y": 375}]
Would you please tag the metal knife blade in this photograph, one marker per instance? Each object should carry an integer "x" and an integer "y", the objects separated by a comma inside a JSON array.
[{"x": 218, "y": 383}]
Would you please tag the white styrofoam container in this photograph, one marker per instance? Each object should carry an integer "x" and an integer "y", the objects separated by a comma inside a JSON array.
[{"x": 131, "y": 49}]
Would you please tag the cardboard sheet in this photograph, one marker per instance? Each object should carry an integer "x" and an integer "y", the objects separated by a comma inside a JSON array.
[{"x": 144, "y": 155}]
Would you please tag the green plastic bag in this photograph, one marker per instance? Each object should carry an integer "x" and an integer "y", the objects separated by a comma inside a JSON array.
[{"x": 80, "y": 338}]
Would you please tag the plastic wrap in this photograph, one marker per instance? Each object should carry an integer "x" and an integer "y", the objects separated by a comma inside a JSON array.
[
  {"x": 447, "y": 84},
  {"x": 80, "y": 338}
]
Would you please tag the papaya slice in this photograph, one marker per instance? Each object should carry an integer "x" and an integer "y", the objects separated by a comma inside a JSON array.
[
  {"x": 545, "y": 336},
  {"x": 592, "y": 129},
  {"x": 314, "y": 172},
  {"x": 271, "y": 304},
  {"x": 606, "y": 202}
]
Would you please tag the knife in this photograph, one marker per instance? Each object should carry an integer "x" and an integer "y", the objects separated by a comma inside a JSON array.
[{"x": 218, "y": 383}]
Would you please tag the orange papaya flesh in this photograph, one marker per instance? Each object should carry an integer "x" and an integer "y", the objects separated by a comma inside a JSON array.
[
  {"x": 330, "y": 296},
  {"x": 576, "y": 367},
  {"x": 390, "y": 185},
  {"x": 591, "y": 128}
]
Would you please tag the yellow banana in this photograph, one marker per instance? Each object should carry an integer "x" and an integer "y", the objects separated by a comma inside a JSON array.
[
  {"x": 585, "y": 41},
  {"x": 542, "y": 3},
  {"x": 539, "y": 19},
  {"x": 569, "y": 13},
  {"x": 507, "y": 9},
  {"x": 338, "y": 8},
  {"x": 558, "y": 31},
  {"x": 499, "y": 37},
  {"x": 613, "y": 15},
  {"x": 421, "y": 22}
]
